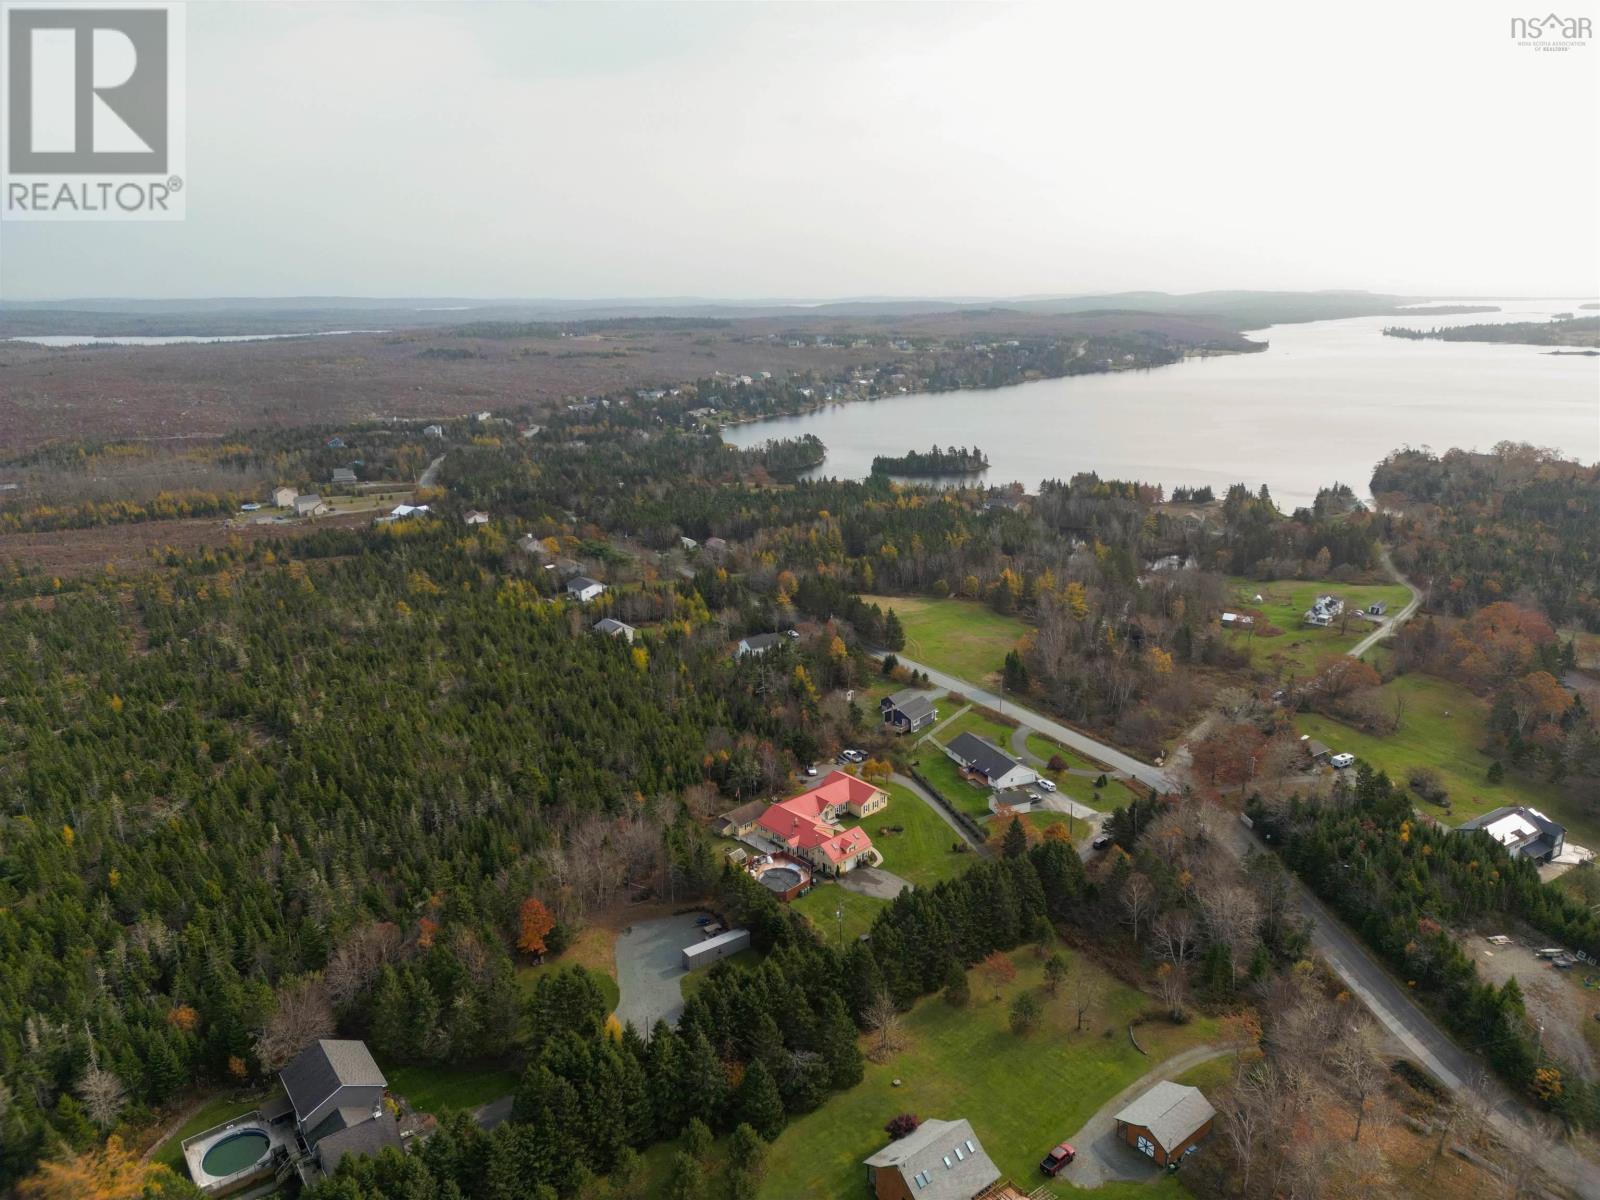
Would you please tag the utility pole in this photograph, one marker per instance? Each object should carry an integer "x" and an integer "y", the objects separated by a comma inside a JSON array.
[{"x": 838, "y": 915}]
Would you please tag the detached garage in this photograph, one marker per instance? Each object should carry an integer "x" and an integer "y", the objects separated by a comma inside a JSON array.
[
  {"x": 1166, "y": 1122},
  {"x": 703, "y": 954}
]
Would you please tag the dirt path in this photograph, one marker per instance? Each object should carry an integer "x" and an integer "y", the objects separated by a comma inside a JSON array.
[
  {"x": 183, "y": 1117},
  {"x": 1400, "y": 618}
]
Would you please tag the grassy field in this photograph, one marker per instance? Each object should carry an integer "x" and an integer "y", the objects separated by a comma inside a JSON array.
[
  {"x": 213, "y": 1113},
  {"x": 1022, "y": 1094},
  {"x": 980, "y": 723},
  {"x": 1450, "y": 745},
  {"x": 822, "y": 901},
  {"x": 943, "y": 774},
  {"x": 959, "y": 636},
  {"x": 1299, "y": 649},
  {"x": 435, "y": 1089},
  {"x": 921, "y": 852},
  {"x": 1047, "y": 749}
]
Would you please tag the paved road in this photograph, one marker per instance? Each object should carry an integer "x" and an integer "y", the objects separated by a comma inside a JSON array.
[
  {"x": 1067, "y": 736},
  {"x": 650, "y": 970},
  {"x": 916, "y": 789},
  {"x": 1400, "y": 618},
  {"x": 1102, "y": 1156},
  {"x": 494, "y": 1112}
]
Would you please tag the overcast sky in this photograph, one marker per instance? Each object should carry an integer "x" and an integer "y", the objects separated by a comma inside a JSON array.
[{"x": 723, "y": 150}]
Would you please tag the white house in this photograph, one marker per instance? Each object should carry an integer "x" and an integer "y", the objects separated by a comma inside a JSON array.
[
  {"x": 433, "y": 431},
  {"x": 475, "y": 517},
  {"x": 583, "y": 589},
  {"x": 283, "y": 497},
  {"x": 309, "y": 505},
  {"x": 982, "y": 757}
]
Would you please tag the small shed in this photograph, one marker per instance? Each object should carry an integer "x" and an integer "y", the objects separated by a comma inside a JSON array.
[
  {"x": 1167, "y": 1122},
  {"x": 703, "y": 954},
  {"x": 1377, "y": 608},
  {"x": 476, "y": 517}
]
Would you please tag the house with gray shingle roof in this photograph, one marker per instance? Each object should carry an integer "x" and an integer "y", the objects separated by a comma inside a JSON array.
[
  {"x": 939, "y": 1160},
  {"x": 980, "y": 756},
  {"x": 908, "y": 711}
]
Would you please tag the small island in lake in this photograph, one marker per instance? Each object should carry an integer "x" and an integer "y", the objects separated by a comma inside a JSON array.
[
  {"x": 1579, "y": 331},
  {"x": 953, "y": 461}
]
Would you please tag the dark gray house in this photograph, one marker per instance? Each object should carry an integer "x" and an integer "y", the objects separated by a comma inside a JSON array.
[
  {"x": 1525, "y": 832},
  {"x": 982, "y": 757},
  {"x": 908, "y": 711},
  {"x": 328, "y": 1077}
]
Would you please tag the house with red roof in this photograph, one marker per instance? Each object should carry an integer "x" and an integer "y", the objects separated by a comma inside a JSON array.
[{"x": 808, "y": 824}]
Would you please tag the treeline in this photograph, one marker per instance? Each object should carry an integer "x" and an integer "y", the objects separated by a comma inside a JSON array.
[
  {"x": 1401, "y": 883},
  {"x": 320, "y": 777},
  {"x": 1576, "y": 331},
  {"x": 934, "y": 461},
  {"x": 1483, "y": 527},
  {"x": 753, "y": 1047}
]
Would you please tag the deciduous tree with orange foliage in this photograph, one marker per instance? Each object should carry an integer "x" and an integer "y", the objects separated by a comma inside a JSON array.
[
  {"x": 535, "y": 922},
  {"x": 109, "y": 1172}
]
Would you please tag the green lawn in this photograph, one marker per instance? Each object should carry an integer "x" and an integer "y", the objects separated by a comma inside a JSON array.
[
  {"x": 1047, "y": 749},
  {"x": 528, "y": 976},
  {"x": 1300, "y": 649},
  {"x": 921, "y": 852},
  {"x": 962, "y": 637},
  {"x": 435, "y": 1089},
  {"x": 980, "y": 723},
  {"x": 1022, "y": 1094},
  {"x": 936, "y": 767},
  {"x": 822, "y": 901},
  {"x": 1450, "y": 745},
  {"x": 213, "y": 1113}
]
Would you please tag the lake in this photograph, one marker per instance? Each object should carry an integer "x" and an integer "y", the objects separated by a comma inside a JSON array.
[
  {"x": 63, "y": 340},
  {"x": 1323, "y": 404}
]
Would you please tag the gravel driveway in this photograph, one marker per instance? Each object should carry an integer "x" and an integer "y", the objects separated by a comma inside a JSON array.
[{"x": 650, "y": 969}]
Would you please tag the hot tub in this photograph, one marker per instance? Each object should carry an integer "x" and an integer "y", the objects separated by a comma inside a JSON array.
[
  {"x": 780, "y": 879},
  {"x": 235, "y": 1153}
]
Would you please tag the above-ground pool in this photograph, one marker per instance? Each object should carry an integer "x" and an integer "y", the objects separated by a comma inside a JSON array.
[
  {"x": 235, "y": 1152},
  {"x": 780, "y": 879}
]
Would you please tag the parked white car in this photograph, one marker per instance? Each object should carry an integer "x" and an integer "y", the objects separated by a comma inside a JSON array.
[
  {"x": 1342, "y": 760},
  {"x": 1047, "y": 785}
]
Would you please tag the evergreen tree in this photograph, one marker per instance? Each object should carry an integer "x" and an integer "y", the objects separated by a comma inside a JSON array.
[{"x": 757, "y": 1102}]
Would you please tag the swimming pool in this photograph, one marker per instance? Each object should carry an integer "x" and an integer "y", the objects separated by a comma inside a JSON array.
[{"x": 235, "y": 1152}]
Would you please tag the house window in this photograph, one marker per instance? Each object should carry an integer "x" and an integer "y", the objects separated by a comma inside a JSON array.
[
  {"x": 947, "y": 1163},
  {"x": 920, "y": 1179},
  {"x": 971, "y": 1149},
  {"x": 961, "y": 1154}
]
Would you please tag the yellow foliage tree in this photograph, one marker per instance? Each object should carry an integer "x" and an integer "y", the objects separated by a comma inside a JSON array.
[{"x": 109, "y": 1172}]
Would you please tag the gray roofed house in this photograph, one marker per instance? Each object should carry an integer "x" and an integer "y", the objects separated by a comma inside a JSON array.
[
  {"x": 1167, "y": 1121},
  {"x": 584, "y": 589},
  {"x": 908, "y": 711},
  {"x": 330, "y": 1075},
  {"x": 939, "y": 1160},
  {"x": 757, "y": 643},
  {"x": 1524, "y": 832},
  {"x": 612, "y": 627},
  {"x": 370, "y": 1137},
  {"x": 739, "y": 821},
  {"x": 309, "y": 505},
  {"x": 344, "y": 477},
  {"x": 979, "y": 754}
]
